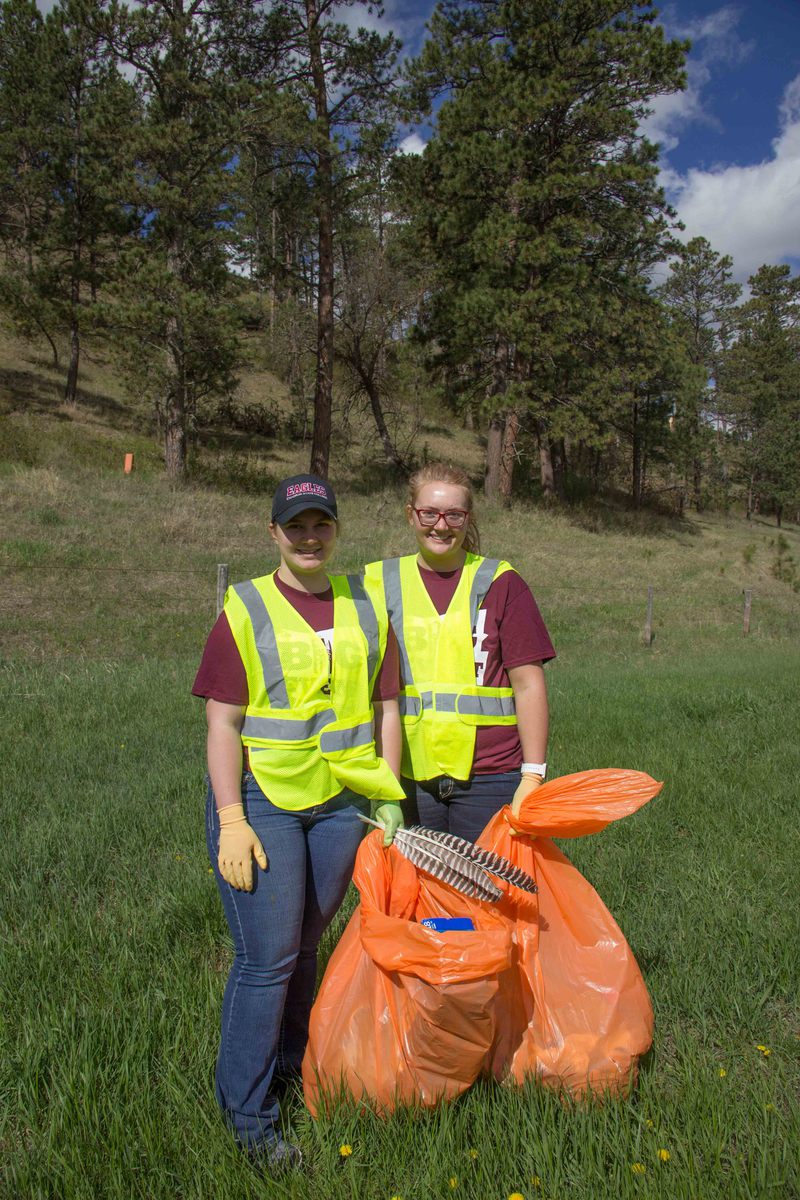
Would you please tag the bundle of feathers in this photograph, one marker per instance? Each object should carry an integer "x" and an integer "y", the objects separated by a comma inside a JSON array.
[{"x": 457, "y": 862}]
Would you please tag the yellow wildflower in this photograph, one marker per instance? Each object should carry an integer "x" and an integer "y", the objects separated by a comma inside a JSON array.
[
  {"x": 765, "y": 1050},
  {"x": 722, "y": 1072},
  {"x": 345, "y": 1151},
  {"x": 664, "y": 1155},
  {"x": 516, "y": 1196},
  {"x": 453, "y": 1182},
  {"x": 638, "y": 1168},
  {"x": 650, "y": 1124},
  {"x": 473, "y": 1154}
]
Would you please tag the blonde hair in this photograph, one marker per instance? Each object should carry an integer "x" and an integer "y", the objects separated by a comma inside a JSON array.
[{"x": 441, "y": 472}]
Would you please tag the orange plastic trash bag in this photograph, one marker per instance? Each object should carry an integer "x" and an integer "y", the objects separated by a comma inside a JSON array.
[
  {"x": 405, "y": 1014},
  {"x": 576, "y": 1010},
  {"x": 546, "y": 985}
]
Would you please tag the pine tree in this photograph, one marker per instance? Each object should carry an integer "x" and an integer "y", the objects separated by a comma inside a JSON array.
[
  {"x": 344, "y": 81},
  {"x": 176, "y": 314},
  {"x": 538, "y": 203},
  {"x": 378, "y": 294},
  {"x": 761, "y": 377},
  {"x": 701, "y": 296},
  {"x": 25, "y": 192}
]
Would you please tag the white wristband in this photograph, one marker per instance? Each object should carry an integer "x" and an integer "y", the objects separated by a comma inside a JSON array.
[{"x": 534, "y": 769}]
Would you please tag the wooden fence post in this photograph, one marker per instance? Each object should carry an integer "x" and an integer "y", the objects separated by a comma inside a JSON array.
[
  {"x": 648, "y": 623},
  {"x": 748, "y": 600},
  {"x": 222, "y": 585}
]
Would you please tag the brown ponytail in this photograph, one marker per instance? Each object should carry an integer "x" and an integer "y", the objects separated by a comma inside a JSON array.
[{"x": 440, "y": 472}]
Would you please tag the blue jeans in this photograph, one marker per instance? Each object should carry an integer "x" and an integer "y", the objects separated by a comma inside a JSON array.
[
  {"x": 464, "y": 809},
  {"x": 276, "y": 930}
]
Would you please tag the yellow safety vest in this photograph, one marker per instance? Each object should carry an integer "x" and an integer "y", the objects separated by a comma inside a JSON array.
[
  {"x": 304, "y": 745},
  {"x": 441, "y": 705}
]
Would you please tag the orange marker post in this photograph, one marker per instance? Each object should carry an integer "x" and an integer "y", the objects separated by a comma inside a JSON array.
[{"x": 128, "y": 463}]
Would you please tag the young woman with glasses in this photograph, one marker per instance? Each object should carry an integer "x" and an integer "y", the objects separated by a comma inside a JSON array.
[{"x": 473, "y": 702}]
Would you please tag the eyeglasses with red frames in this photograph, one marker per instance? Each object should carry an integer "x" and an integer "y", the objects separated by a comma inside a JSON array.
[{"x": 455, "y": 518}]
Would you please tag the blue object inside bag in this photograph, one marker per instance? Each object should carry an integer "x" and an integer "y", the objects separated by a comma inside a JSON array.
[{"x": 441, "y": 924}]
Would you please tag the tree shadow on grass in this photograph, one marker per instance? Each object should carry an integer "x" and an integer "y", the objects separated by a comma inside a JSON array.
[
  {"x": 33, "y": 391},
  {"x": 604, "y": 515}
]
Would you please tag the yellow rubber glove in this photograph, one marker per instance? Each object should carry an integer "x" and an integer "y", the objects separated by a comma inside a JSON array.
[
  {"x": 527, "y": 784},
  {"x": 390, "y": 815},
  {"x": 238, "y": 845}
]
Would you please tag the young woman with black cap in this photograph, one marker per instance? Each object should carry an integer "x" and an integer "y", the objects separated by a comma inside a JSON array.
[{"x": 300, "y": 676}]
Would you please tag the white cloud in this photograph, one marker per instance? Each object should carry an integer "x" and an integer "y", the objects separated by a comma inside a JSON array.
[
  {"x": 750, "y": 212},
  {"x": 359, "y": 17},
  {"x": 715, "y": 41},
  {"x": 413, "y": 144}
]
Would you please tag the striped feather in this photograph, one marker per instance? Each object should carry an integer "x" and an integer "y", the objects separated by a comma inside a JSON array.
[
  {"x": 446, "y": 864},
  {"x": 457, "y": 862},
  {"x": 487, "y": 859}
]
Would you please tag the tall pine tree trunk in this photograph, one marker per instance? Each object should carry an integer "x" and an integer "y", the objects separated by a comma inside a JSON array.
[
  {"x": 508, "y": 456},
  {"x": 492, "y": 480},
  {"x": 545, "y": 462},
  {"x": 71, "y": 387},
  {"x": 697, "y": 483},
  {"x": 494, "y": 456},
  {"x": 323, "y": 389},
  {"x": 636, "y": 464},
  {"x": 175, "y": 407},
  {"x": 175, "y": 410},
  {"x": 558, "y": 452}
]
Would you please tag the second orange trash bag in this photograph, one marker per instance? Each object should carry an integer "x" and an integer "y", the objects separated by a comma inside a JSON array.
[
  {"x": 546, "y": 985},
  {"x": 577, "y": 1012}
]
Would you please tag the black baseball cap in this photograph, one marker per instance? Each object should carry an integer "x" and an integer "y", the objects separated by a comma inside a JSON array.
[{"x": 295, "y": 495}]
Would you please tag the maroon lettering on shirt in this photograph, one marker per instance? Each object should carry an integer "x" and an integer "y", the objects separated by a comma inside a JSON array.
[
  {"x": 222, "y": 675},
  {"x": 509, "y": 632}
]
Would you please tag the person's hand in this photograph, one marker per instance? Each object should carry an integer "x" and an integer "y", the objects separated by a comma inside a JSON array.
[
  {"x": 390, "y": 815},
  {"x": 527, "y": 784},
  {"x": 238, "y": 845}
]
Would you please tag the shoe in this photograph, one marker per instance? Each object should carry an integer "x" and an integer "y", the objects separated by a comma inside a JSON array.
[{"x": 276, "y": 1157}]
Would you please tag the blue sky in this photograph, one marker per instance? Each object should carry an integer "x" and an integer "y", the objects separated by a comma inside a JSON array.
[{"x": 730, "y": 144}]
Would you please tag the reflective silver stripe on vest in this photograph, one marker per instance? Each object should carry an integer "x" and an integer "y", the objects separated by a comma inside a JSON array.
[
  {"x": 288, "y": 729},
  {"x": 480, "y": 586},
  {"x": 448, "y": 702},
  {"x": 394, "y": 605},
  {"x": 367, "y": 619},
  {"x": 346, "y": 739},
  {"x": 486, "y": 706},
  {"x": 266, "y": 645},
  {"x": 410, "y": 706}
]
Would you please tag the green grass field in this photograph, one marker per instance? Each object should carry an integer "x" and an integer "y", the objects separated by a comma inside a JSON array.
[{"x": 114, "y": 945}]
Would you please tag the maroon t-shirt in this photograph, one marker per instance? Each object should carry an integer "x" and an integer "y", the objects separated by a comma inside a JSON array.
[
  {"x": 509, "y": 632},
  {"x": 222, "y": 675}
]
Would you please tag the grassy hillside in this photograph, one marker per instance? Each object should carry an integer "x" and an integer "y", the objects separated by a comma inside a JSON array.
[{"x": 81, "y": 538}]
